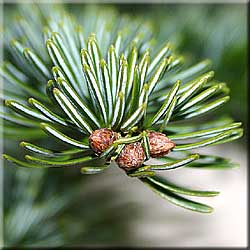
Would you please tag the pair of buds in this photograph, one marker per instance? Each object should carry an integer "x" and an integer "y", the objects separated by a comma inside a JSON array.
[{"x": 133, "y": 155}]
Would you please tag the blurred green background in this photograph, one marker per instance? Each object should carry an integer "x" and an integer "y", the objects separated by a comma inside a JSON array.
[
  {"x": 59, "y": 207},
  {"x": 214, "y": 31}
]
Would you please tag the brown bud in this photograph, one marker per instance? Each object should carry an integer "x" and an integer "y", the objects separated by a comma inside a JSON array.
[
  {"x": 132, "y": 156},
  {"x": 159, "y": 144},
  {"x": 101, "y": 139}
]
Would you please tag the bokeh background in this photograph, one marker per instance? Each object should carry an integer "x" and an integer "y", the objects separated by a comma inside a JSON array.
[{"x": 55, "y": 207}]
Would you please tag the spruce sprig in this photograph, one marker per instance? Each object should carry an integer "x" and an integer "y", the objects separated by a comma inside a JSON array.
[{"x": 119, "y": 83}]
